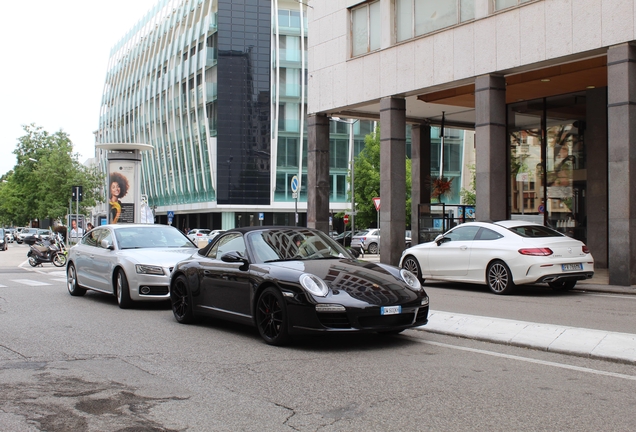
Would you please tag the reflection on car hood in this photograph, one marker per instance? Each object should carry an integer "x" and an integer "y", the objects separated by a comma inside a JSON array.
[
  {"x": 369, "y": 283},
  {"x": 164, "y": 257}
]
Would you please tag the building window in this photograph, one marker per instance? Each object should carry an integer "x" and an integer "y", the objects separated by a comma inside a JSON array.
[
  {"x": 365, "y": 28},
  {"x": 418, "y": 17},
  {"x": 504, "y": 4}
]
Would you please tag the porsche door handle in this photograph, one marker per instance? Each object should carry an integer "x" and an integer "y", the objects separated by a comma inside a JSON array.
[{"x": 463, "y": 247}]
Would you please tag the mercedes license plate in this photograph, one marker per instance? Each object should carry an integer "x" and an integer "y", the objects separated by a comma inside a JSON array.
[
  {"x": 390, "y": 310},
  {"x": 572, "y": 267}
]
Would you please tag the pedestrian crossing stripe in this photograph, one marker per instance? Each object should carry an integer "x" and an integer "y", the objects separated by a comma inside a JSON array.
[
  {"x": 59, "y": 279},
  {"x": 30, "y": 282}
]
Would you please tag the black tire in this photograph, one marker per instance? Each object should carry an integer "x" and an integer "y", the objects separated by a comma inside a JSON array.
[
  {"x": 59, "y": 259},
  {"x": 564, "y": 285},
  {"x": 74, "y": 288},
  {"x": 181, "y": 301},
  {"x": 499, "y": 278},
  {"x": 373, "y": 248},
  {"x": 411, "y": 264},
  {"x": 271, "y": 317},
  {"x": 32, "y": 261},
  {"x": 122, "y": 291}
]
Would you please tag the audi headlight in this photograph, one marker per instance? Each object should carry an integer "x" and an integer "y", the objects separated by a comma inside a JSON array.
[
  {"x": 411, "y": 280},
  {"x": 149, "y": 269},
  {"x": 314, "y": 285}
]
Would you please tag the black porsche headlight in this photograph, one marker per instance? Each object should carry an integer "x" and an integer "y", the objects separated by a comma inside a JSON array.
[
  {"x": 314, "y": 285},
  {"x": 411, "y": 280}
]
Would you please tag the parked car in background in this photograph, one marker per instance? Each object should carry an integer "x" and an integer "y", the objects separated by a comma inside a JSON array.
[
  {"x": 9, "y": 234},
  {"x": 371, "y": 240},
  {"x": 198, "y": 234},
  {"x": 367, "y": 240},
  {"x": 26, "y": 232},
  {"x": 3, "y": 240},
  {"x": 501, "y": 255},
  {"x": 213, "y": 234},
  {"x": 292, "y": 280},
  {"x": 133, "y": 262}
]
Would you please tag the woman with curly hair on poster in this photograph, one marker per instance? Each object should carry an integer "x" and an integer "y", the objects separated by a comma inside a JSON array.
[{"x": 118, "y": 189}]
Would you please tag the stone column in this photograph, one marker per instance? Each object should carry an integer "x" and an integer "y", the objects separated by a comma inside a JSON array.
[
  {"x": 621, "y": 115},
  {"x": 596, "y": 164},
  {"x": 490, "y": 148},
  {"x": 318, "y": 172},
  {"x": 392, "y": 178},
  {"x": 420, "y": 175}
]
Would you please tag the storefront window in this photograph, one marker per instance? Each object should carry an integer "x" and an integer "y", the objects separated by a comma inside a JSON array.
[{"x": 548, "y": 179}]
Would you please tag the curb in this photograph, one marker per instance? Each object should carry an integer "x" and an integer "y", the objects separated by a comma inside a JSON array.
[{"x": 596, "y": 344}]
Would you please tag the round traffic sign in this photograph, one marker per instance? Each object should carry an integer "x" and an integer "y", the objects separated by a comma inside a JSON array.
[
  {"x": 294, "y": 184},
  {"x": 346, "y": 219}
]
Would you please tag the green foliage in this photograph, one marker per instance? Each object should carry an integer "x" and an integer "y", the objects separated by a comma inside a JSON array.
[
  {"x": 469, "y": 196},
  {"x": 40, "y": 184},
  {"x": 367, "y": 182}
]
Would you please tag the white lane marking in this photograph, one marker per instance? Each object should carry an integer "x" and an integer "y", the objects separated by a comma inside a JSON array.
[
  {"x": 531, "y": 360},
  {"x": 3, "y": 286},
  {"x": 30, "y": 282},
  {"x": 59, "y": 279}
]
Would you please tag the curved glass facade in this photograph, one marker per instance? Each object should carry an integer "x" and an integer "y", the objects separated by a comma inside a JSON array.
[{"x": 219, "y": 88}]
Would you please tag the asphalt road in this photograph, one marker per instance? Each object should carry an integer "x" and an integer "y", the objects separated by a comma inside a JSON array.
[{"x": 83, "y": 364}]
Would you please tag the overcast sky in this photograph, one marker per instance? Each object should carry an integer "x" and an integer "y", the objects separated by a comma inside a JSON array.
[{"x": 54, "y": 59}]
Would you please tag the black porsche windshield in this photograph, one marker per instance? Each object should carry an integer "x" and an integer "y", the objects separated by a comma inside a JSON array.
[
  {"x": 293, "y": 244},
  {"x": 156, "y": 236}
]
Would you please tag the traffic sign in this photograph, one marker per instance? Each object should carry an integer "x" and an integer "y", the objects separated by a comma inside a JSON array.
[
  {"x": 346, "y": 219},
  {"x": 261, "y": 216},
  {"x": 171, "y": 214},
  {"x": 294, "y": 184},
  {"x": 376, "y": 203}
]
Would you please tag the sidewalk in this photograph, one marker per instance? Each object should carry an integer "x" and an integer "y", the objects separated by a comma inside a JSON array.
[
  {"x": 604, "y": 345},
  {"x": 582, "y": 342}
]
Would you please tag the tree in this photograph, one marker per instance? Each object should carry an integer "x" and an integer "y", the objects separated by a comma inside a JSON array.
[
  {"x": 367, "y": 181},
  {"x": 469, "y": 196},
  {"x": 40, "y": 184}
]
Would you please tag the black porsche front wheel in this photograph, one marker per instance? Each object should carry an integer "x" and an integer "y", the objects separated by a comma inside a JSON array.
[{"x": 271, "y": 317}]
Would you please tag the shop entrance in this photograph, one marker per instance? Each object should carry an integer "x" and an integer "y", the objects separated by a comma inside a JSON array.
[{"x": 547, "y": 163}]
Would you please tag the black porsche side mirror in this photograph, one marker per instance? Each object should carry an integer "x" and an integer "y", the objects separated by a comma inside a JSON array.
[{"x": 233, "y": 257}]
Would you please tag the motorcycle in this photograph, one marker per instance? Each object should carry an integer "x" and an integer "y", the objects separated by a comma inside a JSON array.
[{"x": 45, "y": 250}]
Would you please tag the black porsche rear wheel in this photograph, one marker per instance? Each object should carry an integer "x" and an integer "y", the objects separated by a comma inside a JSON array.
[
  {"x": 181, "y": 303},
  {"x": 271, "y": 317}
]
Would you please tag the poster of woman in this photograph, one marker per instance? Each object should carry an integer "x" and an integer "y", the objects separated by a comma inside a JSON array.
[{"x": 120, "y": 192}]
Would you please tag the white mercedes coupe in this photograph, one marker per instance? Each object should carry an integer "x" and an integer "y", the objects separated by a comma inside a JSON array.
[{"x": 501, "y": 255}]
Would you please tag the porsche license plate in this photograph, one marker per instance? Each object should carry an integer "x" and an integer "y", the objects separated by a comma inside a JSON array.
[
  {"x": 572, "y": 267},
  {"x": 390, "y": 310}
]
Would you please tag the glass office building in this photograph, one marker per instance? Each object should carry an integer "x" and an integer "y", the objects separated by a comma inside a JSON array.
[{"x": 218, "y": 88}]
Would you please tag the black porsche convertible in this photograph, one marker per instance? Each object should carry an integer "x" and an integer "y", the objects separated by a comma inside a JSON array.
[{"x": 294, "y": 280}]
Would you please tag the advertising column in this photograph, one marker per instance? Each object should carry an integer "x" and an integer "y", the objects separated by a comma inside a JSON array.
[{"x": 122, "y": 183}]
